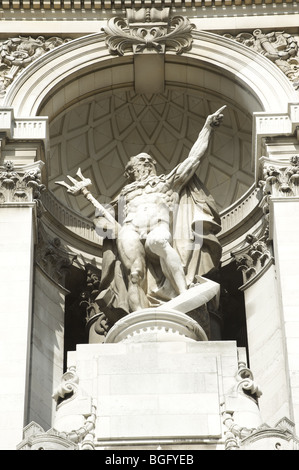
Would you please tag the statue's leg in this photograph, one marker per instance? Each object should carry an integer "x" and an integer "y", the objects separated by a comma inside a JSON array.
[
  {"x": 158, "y": 242},
  {"x": 132, "y": 255}
]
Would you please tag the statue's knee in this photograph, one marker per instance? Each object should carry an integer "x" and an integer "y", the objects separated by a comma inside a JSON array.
[
  {"x": 136, "y": 276},
  {"x": 157, "y": 245}
]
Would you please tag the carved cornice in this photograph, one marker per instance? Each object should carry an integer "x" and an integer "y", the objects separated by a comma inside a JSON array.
[
  {"x": 118, "y": 4},
  {"x": 148, "y": 29}
]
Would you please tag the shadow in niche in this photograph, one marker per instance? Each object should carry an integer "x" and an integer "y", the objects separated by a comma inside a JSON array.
[
  {"x": 233, "y": 306},
  {"x": 74, "y": 322},
  {"x": 227, "y": 324}
]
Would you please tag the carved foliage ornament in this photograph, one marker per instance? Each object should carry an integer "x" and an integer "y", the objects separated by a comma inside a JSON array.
[
  {"x": 256, "y": 255},
  {"x": 281, "y": 180},
  {"x": 174, "y": 35},
  {"x": 20, "y": 185},
  {"x": 16, "y": 53}
]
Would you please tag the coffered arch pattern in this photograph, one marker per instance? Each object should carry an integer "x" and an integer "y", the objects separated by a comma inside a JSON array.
[{"x": 101, "y": 133}]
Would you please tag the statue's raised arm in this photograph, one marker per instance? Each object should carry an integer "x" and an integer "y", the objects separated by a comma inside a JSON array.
[{"x": 188, "y": 167}]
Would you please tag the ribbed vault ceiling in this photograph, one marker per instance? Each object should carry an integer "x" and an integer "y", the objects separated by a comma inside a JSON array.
[{"x": 101, "y": 133}]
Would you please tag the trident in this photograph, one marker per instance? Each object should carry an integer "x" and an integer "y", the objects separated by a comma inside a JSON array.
[{"x": 80, "y": 187}]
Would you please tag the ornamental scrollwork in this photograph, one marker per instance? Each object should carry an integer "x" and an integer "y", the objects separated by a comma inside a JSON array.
[
  {"x": 68, "y": 386},
  {"x": 246, "y": 381},
  {"x": 174, "y": 35},
  {"x": 279, "y": 47}
]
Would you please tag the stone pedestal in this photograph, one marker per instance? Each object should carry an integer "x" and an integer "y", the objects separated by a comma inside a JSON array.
[{"x": 155, "y": 393}]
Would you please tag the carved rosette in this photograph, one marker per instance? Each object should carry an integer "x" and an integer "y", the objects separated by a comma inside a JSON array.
[
  {"x": 153, "y": 35},
  {"x": 279, "y": 47},
  {"x": 21, "y": 184}
]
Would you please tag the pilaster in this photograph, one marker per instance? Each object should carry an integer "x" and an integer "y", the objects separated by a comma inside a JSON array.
[
  {"x": 269, "y": 265},
  {"x": 22, "y": 155},
  {"x": 20, "y": 188}
]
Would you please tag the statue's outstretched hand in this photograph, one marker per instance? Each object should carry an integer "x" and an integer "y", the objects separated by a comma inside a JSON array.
[{"x": 214, "y": 120}]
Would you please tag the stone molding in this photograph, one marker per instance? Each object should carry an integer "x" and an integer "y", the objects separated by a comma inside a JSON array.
[
  {"x": 23, "y": 128},
  {"x": 35, "y": 438},
  {"x": 206, "y": 47},
  {"x": 155, "y": 325},
  {"x": 117, "y": 4}
]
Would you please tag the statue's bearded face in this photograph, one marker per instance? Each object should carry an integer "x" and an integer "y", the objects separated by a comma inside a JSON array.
[{"x": 140, "y": 167}]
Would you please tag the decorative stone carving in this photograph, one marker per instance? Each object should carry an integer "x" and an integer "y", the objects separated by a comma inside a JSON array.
[
  {"x": 22, "y": 184},
  {"x": 238, "y": 411},
  {"x": 16, "y": 53},
  {"x": 246, "y": 381},
  {"x": 281, "y": 179},
  {"x": 82, "y": 438},
  {"x": 279, "y": 437},
  {"x": 52, "y": 257},
  {"x": 68, "y": 386},
  {"x": 148, "y": 29},
  {"x": 279, "y": 47},
  {"x": 159, "y": 236},
  {"x": 151, "y": 325},
  {"x": 35, "y": 438},
  {"x": 96, "y": 321},
  {"x": 256, "y": 255}
]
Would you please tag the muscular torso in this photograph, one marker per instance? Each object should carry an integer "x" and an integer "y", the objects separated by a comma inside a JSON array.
[{"x": 148, "y": 203}]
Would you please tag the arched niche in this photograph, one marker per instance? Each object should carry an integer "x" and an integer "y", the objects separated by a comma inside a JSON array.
[
  {"x": 83, "y": 66},
  {"x": 216, "y": 71}
]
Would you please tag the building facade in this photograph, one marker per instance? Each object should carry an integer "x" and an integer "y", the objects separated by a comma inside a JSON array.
[{"x": 85, "y": 85}]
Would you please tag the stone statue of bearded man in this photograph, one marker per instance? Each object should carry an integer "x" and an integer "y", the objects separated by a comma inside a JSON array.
[{"x": 166, "y": 235}]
